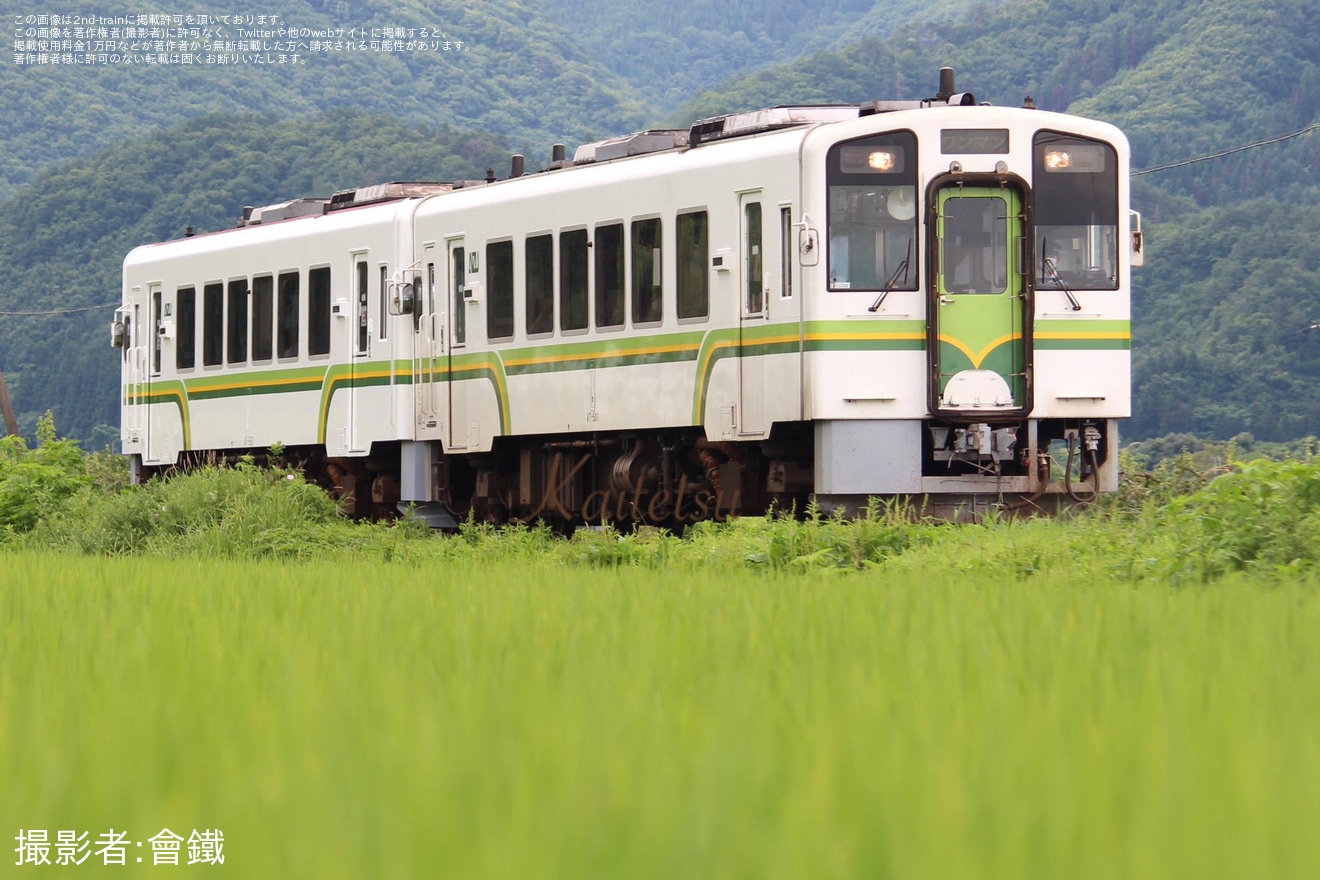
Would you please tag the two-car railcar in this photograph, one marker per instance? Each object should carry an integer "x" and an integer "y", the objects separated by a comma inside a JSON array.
[{"x": 926, "y": 298}]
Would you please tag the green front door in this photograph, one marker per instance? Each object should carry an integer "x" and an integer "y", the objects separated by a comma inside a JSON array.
[{"x": 980, "y": 360}]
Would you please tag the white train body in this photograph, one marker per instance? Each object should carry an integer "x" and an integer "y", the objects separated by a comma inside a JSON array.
[{"x": 925, "y": 300}]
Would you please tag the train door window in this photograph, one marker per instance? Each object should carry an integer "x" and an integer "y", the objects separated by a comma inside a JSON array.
[
  {"x": 185, "y": 350},
  {"x": 288, "y": 315},
  {"x": 499, "y": 290},
  {"x": 155, "y": 331},
  {"x": 384, "y": 301},
  {"x": 753, "y": 257},
  {"x": 647, "y": 301},
  {"x": 609, "y": 275},
  {"x": 539, "y": 268},
  {"x": 873, "y": 213},
  {"x": 693, "y": 266},
  {"x": 361, "y": 311},
  {"x": 1076, "y": 211},
  {"x": 263, "y": 317},
  {"x": 573, "y": 295},
  {"x": 430, "y": 290},
  {"x": 974, "y": 245},
  {"x": 786, "y": 244},
  {"x": 213, "y": 324},
  {"x": 237, "y": 329},
  {"x": 128, "y": 336},
  {"x": 318, "y": 311},
  {"x": 460, "y": 302}
]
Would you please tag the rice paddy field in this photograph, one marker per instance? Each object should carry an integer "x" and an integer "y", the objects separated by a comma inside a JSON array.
[{"x": 524, "y": 717}]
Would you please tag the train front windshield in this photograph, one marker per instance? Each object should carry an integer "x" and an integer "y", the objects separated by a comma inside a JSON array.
[
  {"x": 873, "y": 213},
  {"x": 1076, "y": 199}
]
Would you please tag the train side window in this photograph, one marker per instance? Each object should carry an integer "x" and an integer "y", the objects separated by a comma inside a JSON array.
[
  {"x": 539, "y": 269},
  {"x": 693, "y": 263},
  {"x": 318, "y": 311},
  {"x": 573, "y": 296},
  {"x": 786, "y": 245},
  {"x": 609, "y": 275},
  {"x": 185, "y": 352},
  {"x": 213, "y": 324},
  {"x": 647, "y": 301},
  {"x": 384, "y": 301},
  {"x": 237, "y": 331},
  {"x": 263, "y": 316},
  {"x": 499, "y": 290},
  {"x": 288, "y": 315}
]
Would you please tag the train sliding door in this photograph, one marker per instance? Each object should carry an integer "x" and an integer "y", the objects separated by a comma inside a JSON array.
[
  {"x": 751, "y": 417},
  {"x": 458, "y": 260},
  {"x": 979, "y": 347},
  {"x": 430, "y": 351}
]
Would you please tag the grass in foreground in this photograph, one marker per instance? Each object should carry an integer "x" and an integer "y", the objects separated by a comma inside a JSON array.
[{"x": 535, "y": 719}]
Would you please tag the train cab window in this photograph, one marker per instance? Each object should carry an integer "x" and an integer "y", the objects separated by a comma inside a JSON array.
[
  {"x": 573, "y": 280},
  {"x": 237, "y": 330},
  {"x": 609, "y": 275},
  {"x": 1076, "y": 200},
  {"x": 693, "y": 265},
  {"x": 873, "y": 213},
  {"x": 499, "y": 290},
  {"x": 647, "y": 302},
  {"x": 185, "y": 352},
  {"x": 539, "y": 268},
  {"x": 263, "y": 317},
  {"x": 318, "y": 311},
  {"x": 287, "y": 344},
  {"x": 213, "y": 324}
]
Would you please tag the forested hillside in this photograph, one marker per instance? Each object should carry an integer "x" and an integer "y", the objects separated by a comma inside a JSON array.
[
  {"x": 97, "y": 161},
  {"x": 64, "y": 238},
  {"x": 669, "y": 50},
  {"x": 509, "y": 70}
]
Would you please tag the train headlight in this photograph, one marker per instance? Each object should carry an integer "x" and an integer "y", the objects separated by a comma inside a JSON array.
[
  {"x": 1057, "y": 160},
  {"x": 881, "y": 160}
]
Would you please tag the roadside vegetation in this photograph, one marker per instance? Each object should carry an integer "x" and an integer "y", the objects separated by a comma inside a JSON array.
[{"x": 1193, "y": 517}]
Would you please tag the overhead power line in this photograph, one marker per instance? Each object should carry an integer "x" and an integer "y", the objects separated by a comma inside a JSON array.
[
  {"x": 1221, "y": 154},
  {"x": 58, "y": 311}
]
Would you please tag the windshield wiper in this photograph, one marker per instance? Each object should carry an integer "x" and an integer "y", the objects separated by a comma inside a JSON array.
[
  {"x": 893, "y": 278},
  {"x": 1048, "y": 268}
]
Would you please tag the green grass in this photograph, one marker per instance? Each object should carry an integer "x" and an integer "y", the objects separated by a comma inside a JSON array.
[{"x": 542, "y": 718}]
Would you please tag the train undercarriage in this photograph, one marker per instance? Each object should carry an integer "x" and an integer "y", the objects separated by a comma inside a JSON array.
[{"x": 672, "y": 478}]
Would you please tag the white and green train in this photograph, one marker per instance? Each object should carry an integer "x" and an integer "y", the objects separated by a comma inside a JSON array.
[{"x": 922, "y": 298}]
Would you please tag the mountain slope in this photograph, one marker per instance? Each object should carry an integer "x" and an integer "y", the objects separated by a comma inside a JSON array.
[
  {"x": 64, "y": 239},
  {"x": 518, "y": 74}
]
